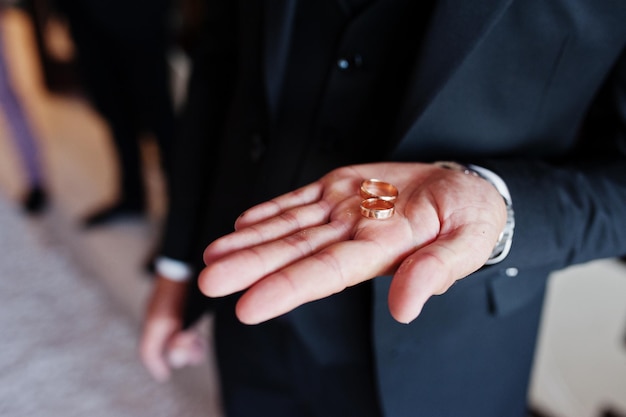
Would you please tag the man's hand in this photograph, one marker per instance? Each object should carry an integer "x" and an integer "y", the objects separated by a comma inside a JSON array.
[
  {"x": 314, "y": 242},
  {"x": 164, "y": 345}
]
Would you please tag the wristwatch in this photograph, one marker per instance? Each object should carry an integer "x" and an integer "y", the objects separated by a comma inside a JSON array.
[{"x": 505, "y": 240}]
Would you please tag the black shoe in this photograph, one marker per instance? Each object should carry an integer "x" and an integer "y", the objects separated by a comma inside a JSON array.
[
  {"x": 35, "y": 201},
  {"x": 611, "y": 413},
  {"x": 112, "y": 214}
]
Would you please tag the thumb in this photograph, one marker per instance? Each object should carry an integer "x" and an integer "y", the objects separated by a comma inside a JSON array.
[{"x": 432, "y": 270}]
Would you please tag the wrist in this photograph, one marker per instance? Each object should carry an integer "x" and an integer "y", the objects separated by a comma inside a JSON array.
[
  {"x": 167, "y": 300},
  {"x": 505, "y": 240}
]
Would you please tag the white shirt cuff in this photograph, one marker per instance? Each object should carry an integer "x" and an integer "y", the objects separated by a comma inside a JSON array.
[
  {"x": 494, "y": 179},
  {"x": 172, "y": 269}
]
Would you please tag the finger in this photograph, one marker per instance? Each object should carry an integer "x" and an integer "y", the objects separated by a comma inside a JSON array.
[
  {"x": 186, "y": 348},
  {"x": 241, "y": 269},
  {"x": 283, "y": 224},
  {"x": 432, "y": 269},
  {"x": 151, "y": 349},
  {"x": 325, "y": 273},
  {"x": 300, "y": 197},
  {"x": 309, "y": 206},
  {"x": 332, "y": 188}
]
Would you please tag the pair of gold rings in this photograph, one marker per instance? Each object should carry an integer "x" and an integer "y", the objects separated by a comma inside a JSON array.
[{"x": 379, "y": 197}]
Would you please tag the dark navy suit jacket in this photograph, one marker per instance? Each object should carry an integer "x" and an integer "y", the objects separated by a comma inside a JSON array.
[{"x": 533, "y": 90}]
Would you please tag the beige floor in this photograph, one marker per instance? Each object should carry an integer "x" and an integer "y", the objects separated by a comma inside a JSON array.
[
  {"x": 67, "y": 347},
  {"x": 581, "y": 364}
]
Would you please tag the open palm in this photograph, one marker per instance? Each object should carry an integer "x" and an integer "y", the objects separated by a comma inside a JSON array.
[{"x": 314, "y": 242}]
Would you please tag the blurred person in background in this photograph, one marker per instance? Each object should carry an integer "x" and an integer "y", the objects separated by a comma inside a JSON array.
[
  {"x": 502, "y": 126},
  {"x": 122, "y": 51},
  {"x": 21, "y": 129}
]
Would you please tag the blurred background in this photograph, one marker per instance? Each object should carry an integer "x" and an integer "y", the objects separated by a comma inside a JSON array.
[{"x": 71, "y": 297}]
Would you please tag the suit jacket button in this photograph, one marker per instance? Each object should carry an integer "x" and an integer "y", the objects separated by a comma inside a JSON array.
[
  {"x": 511, "y": 272},
  {"x": 349, "y": 62}
]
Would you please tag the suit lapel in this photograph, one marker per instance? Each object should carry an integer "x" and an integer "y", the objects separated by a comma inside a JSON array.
[
  {"x": 279, "y": 18},
  {"x": 454, "y": 29}
]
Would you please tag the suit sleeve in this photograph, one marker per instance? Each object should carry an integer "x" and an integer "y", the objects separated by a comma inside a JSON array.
[
  {"x": 573, "y": 210},
  {"x": 199, "y": 130}
]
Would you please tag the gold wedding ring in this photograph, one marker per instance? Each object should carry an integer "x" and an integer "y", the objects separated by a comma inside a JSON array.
[
  {"x": 375, "y": 208},
  {"x": 374, "y": 188}
]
